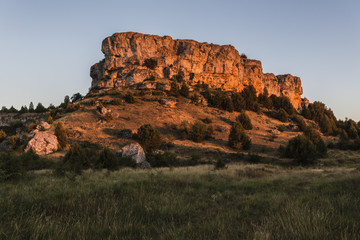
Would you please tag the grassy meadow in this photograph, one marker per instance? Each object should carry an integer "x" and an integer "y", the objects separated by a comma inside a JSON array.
[{"x": 243, "y": 201}]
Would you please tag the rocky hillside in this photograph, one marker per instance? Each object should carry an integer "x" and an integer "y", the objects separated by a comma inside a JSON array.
[{"x": 140, "y": 61}]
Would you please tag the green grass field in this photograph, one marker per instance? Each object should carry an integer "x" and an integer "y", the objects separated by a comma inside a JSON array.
[{"x": 243, "y": 201}]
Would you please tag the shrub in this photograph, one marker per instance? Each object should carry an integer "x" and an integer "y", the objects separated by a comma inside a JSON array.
[
  {"x": 307, "y": 147},
  {"x": 76, "y": 97},
  {"x": 238, "y": 138},
  {"x": 150, "y": 63},
  {"x": 299, "y": 120},
  {"x": 149, "y": 137},
  {"x": 129, "y": 98},
  {"x": 243, "y": 55},
  {"x": 184, "y": 90},
  {"x": 198, "y": 131},
  {"x": 280, "y": 115},
  {"x": 108, "y": 159},
  {"x": 75, "y": 159},
  {"x": 116, "y": 101},
  {"x": 50, "y": 120},
  {"x": 301, "y": 149},
  {"x": 72, "y": 107},
  {"x": 174, "y": 89},
  {"x": 194, "y": 160},
  {"x": 61, "y": 135},
  {"x": 314, "y": 136},
  {"x": 219, "y": 164},
  {"x": 282, "y": 102},
  {"x": 108, "y": 117},
  {"x": 249, "y": 96},
  {"x": 207, "y": 120},
  {"x": 184, "y": 130},
  {"x": 2, "y": 135},
  {"x": 245, "y": 120},
  {"x": 166, "y": 159},
  {"x": 209, "y": 131},
  {"x": 127, "y": 162},
  {"x": 11, "y": 167},
  {"x": 14, "y": 140}
]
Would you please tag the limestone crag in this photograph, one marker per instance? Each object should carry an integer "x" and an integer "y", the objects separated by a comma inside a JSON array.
[{"x": 134, "y": 59}]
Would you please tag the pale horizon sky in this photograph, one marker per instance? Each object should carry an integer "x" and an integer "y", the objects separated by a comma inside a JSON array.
[{"x": 48, "y": 47}]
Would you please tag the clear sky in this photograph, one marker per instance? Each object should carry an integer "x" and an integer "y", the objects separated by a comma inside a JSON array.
[{"x": 47, "y": 47}]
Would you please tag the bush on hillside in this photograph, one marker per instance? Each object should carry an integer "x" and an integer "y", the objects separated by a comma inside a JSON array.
[
  {"x": 150, "y": 63},
  {"x": 129, "y": 98},
  {"x": 245, "y": 120},
  {"x": 2, "y": 135},
  {"x": 149, "y": 137},
  {"x": 238, "y": 138},
  {"x": 198, "y": 131}
]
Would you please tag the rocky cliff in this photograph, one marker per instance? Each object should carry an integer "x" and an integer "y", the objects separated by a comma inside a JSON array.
[{"x": 146, "y": 61}]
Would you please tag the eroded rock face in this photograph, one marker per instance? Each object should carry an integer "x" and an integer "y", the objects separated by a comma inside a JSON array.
[
  {"x": 127, "y": 58},
  {"x": 43, "y": 143}
]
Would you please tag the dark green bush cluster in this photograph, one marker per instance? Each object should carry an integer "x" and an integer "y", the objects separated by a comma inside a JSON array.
[
  {"x": 307, "y": 147},
  {"x": 300, "y": 122},
  {"x": 150, "y": 63},
  {"x": 129, "y": 98},
  {"x": 149, "y": 138},
  {"x": 245, "y": 120},
  {"x": 280, "y": 115},
  {"x": 325, "y": 117},
  {"x": 246, "y": 100},
  {"x": 199, "y": 131},
  {"x": 238, "y": 138},
  {"x": 79, "y": 158},
  {"x": 350, "y": 129},
  {"x": 14, "y": 166},
  {"x": 166, "y": 159}
]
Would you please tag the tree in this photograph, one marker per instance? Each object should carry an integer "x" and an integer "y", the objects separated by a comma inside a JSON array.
[
  {"x": 149, "y": 137},
  {"x": 108, "y": 159},
  {"x": 31, "y": 107},
  {"x": 40, "y": 108},
  {"x": 24, "y": 109},
  {"x": 12, "y": 110},
  {"x": 245, "y": 121},
  {"x": 301, "y": 149},
  {"x": 75, "y": 159},
  {"x": 198, "y": 131},
  {"x": 238, "y": 138},
  {"x": 61, "y": 135},
  {"x": 76, "y": 97},
  {"x": 66, "y": 100},
  {"x": 249, "y": 95},
  {"x": 184, "y": 90}
]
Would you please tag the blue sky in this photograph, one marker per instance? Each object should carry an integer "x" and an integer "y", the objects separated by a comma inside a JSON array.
[{"x": 48, "y": 47}]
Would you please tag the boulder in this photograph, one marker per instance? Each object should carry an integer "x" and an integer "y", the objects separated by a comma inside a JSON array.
[
  {"x": 135, "y": 151},
  {"x": 43, "y": 143},
  {"x": 168, "y": 102}
]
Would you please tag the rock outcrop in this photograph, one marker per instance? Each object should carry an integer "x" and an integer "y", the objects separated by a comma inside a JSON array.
[
  {"x": 145, "y": 61},
  {"x": 135, "y": 151},
  {"x": 43, "y": 143}
]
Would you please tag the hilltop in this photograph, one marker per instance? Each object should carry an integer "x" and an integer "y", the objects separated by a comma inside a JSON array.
[{"x": 140, "y": 61}]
